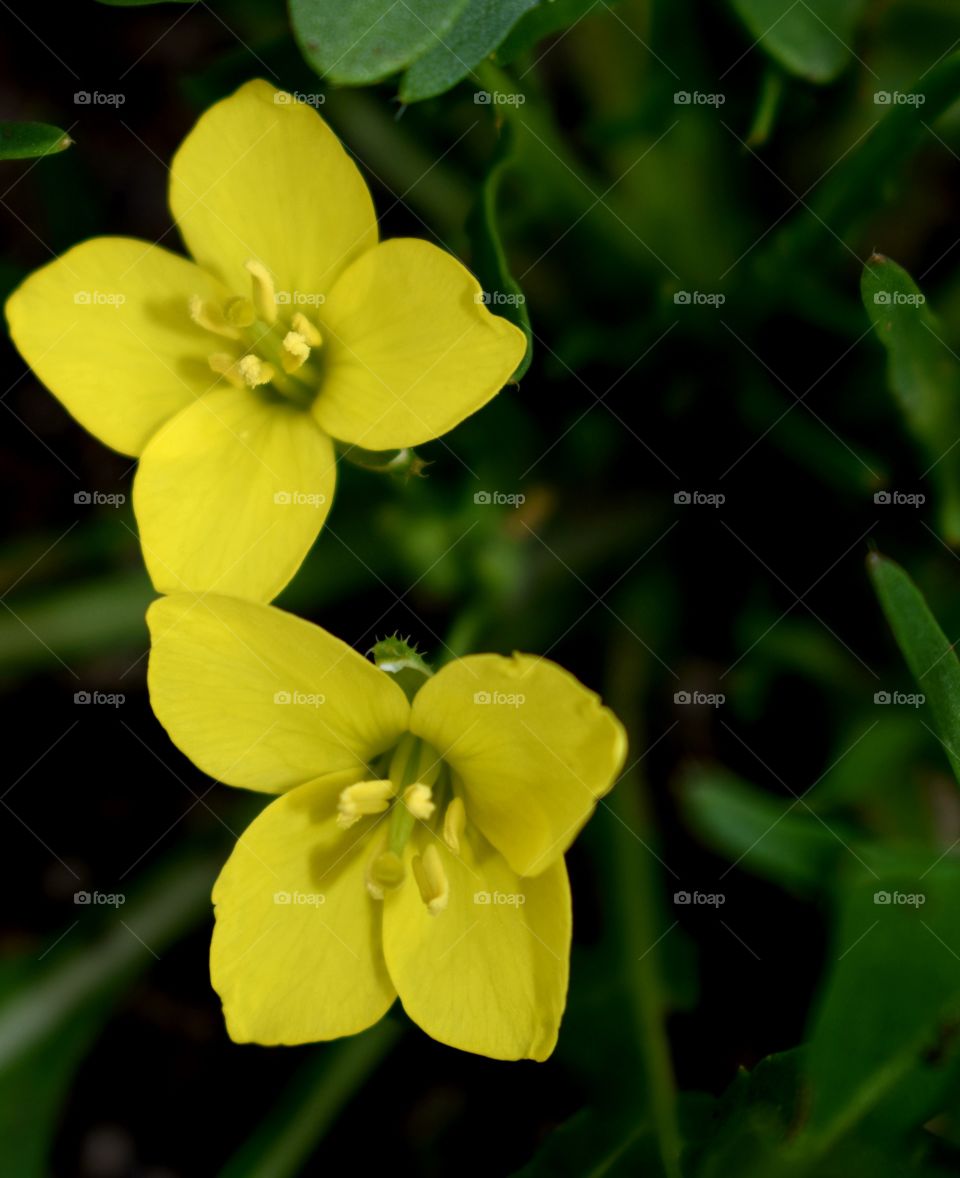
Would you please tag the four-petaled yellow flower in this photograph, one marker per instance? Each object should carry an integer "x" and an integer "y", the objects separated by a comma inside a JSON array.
[
  {"x": 417, "y": 845},
  {"x": 228, "y": 376}
]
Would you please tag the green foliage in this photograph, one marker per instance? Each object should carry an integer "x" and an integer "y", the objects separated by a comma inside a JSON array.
[
  {"x": 812, "y": 39},
  {"x": 23, "y": 141}
]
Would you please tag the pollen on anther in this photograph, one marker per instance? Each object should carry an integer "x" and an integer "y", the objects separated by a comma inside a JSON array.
[{"x": 255, "y": 371}]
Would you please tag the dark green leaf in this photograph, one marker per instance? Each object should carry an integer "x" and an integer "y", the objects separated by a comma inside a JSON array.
[
  {"x": 481, "y": 28},
  {"x": 812, "y": 38},
  {"x": 365, "y": 41},
  {"x": 310, "y": 1104},
  {"x": 543, "y": 21},
  {"x": 922, "y": 374},
  {"x": 886, "y": 1031},
  {"x": 24, "y": 141},
  {"x": 776, "y": 838},
  {"x": 489, "y": 258},
  {"x": 929, "y": 655}
]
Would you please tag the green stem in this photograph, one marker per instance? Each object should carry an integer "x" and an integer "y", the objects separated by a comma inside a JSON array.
[{"x": 310, "y": 1105}]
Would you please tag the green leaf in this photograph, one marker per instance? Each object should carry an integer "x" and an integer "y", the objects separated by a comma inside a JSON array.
[
  {"x": 884, "y": 1038},
  {"x": 595, "y": 1144},
  {"x": 775, "y": 838},
  {"x": 52, "y": 1008},
  {"x": 543, "y": 21},
  {"x": 929, "y": 655},
  {"x": 365, "y": 41},
  {"x": 24, "y": 141},
  {"x": 811, "y": 38},
  {"x": 310, "y": 1104},
  {"x": 922, "y": 373},
  {"x": 489, "y": 258},
  {"x": 481, "y": 28}
]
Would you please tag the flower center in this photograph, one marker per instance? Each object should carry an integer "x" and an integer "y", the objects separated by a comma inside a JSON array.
[
  {"x": 261, "y": 348},
  {"x": 416, "y": 789}
]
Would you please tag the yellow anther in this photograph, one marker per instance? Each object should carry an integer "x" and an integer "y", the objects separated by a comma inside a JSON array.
[
  {"x": 454, "y": 824},
  {"x": 357, "y": 801},
  {"x": 239, "y": 311},
  {"x": 210, "y": 318},
  {"x": 295, "y": 351},
  {"x": 309, "y": 332},
  {"x": 255, "y": 371},
  {"x": 385, "y": 872},
  {"x": 431, "y": 880},
  {"x": 264, "y": 294},
  {"x": 223, "y": 364},
  {"x": 418, "y": 799}
]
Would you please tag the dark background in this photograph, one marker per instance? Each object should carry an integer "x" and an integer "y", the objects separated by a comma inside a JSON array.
[{"x": 631, "y": 398}]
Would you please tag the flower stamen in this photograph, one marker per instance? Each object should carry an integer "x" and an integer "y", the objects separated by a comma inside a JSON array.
[
  {"x": 454, "y": 824},
  {"x": 264, "y": 293},
  {"x": 296, "y": 350},
  {"x": 418, "y": 799},
  {"x": 431, "y": 880},
  {"x": 209, "y": 316},
  {"x": 255, "y": 371},
  {"x": 359, "y": 800}
]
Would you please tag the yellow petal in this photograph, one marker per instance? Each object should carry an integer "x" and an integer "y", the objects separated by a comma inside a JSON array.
[
  {"x": 231, "y": 494},
  {"x": 107, "y": 329},
  {"x": 296, "y": 954},
  {"x": 408, "y": 350},
  {"x": 487, "y": 972},
  {"x": 533, "y": 747},
  {"x": 264, "y": 179},
  {"x": 261, "y": 699}
]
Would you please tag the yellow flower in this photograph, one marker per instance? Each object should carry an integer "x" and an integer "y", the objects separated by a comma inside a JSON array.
[
  {"x": 228, "y": 376},
  {"x": 416, "y": 848}
]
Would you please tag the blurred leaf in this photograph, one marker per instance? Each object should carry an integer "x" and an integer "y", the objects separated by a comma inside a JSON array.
[
  {"x": 24, "y": 141},
  {"x": 489, "y": 258},
  {"x": 886, "y": 1032},
  {"x": 366, "y": 41},
  {"x": 482, "y": 26},
  {"x": 922, "y": 374},
  {"x": 778, "y": 839},
  {"x": 595, "y": 1143},
  {"x": 309, "y": 1105},
  {"x": 544, "y": 20},
  {"x": 811, "y": 38},
  {"x": 930, "y": 657},
  {"x": 52, "y": 1009},
  {"x": 863, "y": 180}
]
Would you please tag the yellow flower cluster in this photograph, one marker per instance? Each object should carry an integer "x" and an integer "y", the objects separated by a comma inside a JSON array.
[{"x": 416, "y": 843}]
